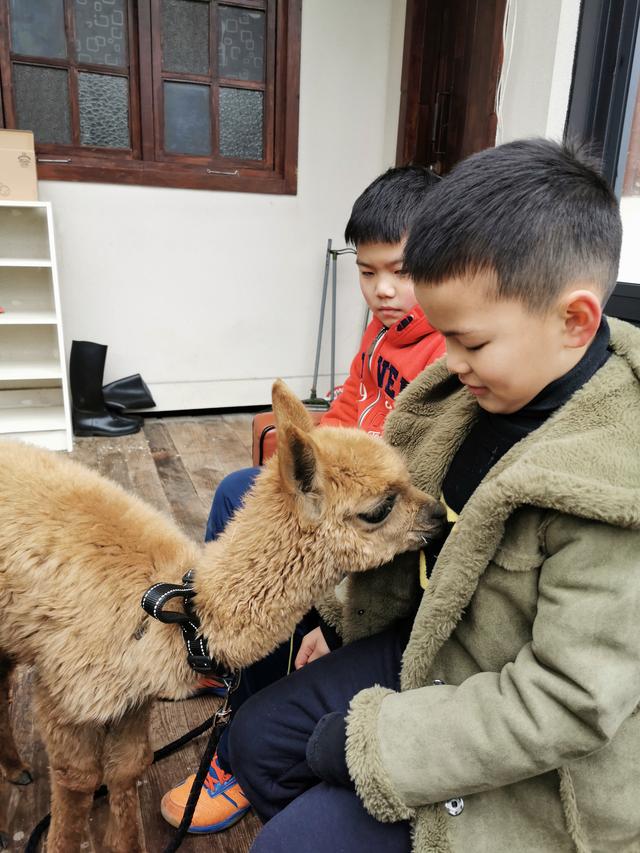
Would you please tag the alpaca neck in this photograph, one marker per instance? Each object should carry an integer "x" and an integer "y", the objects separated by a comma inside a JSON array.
[{"x": 258, "y": 579}]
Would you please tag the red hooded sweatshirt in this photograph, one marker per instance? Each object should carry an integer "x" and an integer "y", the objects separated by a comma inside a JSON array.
[{"x": 388, "y": 359}]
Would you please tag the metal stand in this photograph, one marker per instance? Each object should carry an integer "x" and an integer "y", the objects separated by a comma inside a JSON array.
[{"x": 331, "y": 260}]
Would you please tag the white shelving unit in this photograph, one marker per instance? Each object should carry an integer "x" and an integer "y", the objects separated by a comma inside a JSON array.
[{"x": 34, "y": 395}]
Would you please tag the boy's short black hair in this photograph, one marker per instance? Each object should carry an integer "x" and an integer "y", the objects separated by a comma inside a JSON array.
[
  {"x": 536, "y": 213},
  {"x": 383, "y": 213}
]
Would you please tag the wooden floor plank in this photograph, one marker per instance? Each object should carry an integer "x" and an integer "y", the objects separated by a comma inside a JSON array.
[
  {"x": 241, "y": 425},
  {"x": 175, "y": 465},
  {"x": 188, "y": 510}
]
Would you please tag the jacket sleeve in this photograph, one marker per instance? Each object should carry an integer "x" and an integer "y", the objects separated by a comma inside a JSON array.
[
  {"x": 562, "y": 698},
  {"x": 344, "y": 409}
]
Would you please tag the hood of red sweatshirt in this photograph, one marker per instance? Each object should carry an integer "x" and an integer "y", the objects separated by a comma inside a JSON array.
[{"x": 411, "y": 328}]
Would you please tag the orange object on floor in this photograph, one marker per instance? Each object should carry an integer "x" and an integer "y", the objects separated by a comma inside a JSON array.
[
  {"x": 221, "y": 802},
  {"x": 265, "y": 439}
]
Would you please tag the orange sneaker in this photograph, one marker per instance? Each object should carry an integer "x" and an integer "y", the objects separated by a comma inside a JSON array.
[{"x": 221, "y": 802}]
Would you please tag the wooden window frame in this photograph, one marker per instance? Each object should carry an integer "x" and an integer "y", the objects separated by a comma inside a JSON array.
[{"x": 146, "y": 163}]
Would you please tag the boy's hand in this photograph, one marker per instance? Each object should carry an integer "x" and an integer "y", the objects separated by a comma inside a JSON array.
[
  {"x": 313, "y": 646},
  {"x": 326, "y": 750}
]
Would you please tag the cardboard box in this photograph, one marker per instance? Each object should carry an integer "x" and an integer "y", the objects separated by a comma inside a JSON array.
[{"x": 18, "y": 179}]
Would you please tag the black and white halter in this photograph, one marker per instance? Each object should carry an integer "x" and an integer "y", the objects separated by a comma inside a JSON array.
[{"x": 153, "y": 602}]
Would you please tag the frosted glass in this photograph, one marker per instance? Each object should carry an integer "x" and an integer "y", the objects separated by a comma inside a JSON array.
[
  {"x": 101, "y": 32},
  {"x": 241, "y": 44},
  {"x": 42, "y": 103},
  {"x": 37, "y": 28},
  {"x": 187, "y": 118},
  {"x": 185, "y": 36},
  {"x": 104, "y": 110},
  {"x": 241, "y": 123}
]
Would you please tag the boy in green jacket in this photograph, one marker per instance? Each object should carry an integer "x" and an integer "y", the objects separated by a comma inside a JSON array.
[{"x": 489, "y": 704}]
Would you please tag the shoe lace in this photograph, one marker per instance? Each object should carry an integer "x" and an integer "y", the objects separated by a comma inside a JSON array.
[{"x": 216, "y": 776}]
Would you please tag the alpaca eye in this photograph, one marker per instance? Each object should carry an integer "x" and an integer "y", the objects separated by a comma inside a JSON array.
[{"x": 380, "y": 512}]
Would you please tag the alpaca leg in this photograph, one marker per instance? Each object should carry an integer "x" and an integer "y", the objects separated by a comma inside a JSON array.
[
  {"x": 10, "y": 762},
  {"x": 127, "y": 754},
  {"x": 75, "y": 761}
]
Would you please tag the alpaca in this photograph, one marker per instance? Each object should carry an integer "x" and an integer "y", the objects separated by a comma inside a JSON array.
[{"x": 77, "y": 553}]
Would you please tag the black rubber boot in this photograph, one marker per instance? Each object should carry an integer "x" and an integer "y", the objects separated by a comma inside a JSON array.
[
  {"x": 131, "y": 392},
  {"x": 90, "y": 414}
]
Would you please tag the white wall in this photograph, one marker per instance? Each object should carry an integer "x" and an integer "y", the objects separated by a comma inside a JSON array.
[
  {"x": 211, "y": 295},
  {"x": 539, "y": 51}
]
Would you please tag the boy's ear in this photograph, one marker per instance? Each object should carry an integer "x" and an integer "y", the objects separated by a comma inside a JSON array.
[
  {"x": 288, "y": 410},
  {"x": 582, "y": 314},
  {"x": 297, "y": 460}
]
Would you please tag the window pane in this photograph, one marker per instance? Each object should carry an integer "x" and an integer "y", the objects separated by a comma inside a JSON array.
[
  {"x": 101, "y": 32},
  {"x": 241, "y": 123},
  {"x": 241, "y": 44},
  {"x": 37, "y": 28},
  {"x": 185, "y": 36},
  {"x": 42, "y": 103},
  {"x": 630, "y": 201},
  {"x": 104, "y": 110},
  {"x": 187, "y": 118}
]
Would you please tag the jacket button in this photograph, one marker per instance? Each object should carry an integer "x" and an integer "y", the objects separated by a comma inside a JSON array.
[
  {"x": 360, "y": 612},
  {"x": 438, "y": 681},
  {"x": 454, "y": 806}
]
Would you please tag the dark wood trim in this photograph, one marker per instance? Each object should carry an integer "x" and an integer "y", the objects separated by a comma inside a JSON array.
[
  {"x": 145, "y": 163},
  {"x": 72, "y": 74},
  {"x": 5, "y": 66},
  {"x": 290, "y": 95},
  {"x": 270, "y": 72},
  {"x": 451, "y": 64},
  {"x": 260, "y": 5},
  {"x": 414, "y": 31},
  {"x": 147, "y": 103},
  {"x": 161, "y": 175},
  {"x": 135, "y": 117},
  {"x": 215, "y": 90}
]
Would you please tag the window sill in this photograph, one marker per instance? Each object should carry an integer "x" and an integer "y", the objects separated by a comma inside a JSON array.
[{"x": 165, "y": 175}]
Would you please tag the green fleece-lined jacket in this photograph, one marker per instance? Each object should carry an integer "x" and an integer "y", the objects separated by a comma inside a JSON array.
[{"x": 517, "y": 726}]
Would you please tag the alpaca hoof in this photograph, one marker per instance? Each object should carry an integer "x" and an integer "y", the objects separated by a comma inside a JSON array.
[
  {"x": 23, "y": 778},
  {"x": 4, "y": 841}
]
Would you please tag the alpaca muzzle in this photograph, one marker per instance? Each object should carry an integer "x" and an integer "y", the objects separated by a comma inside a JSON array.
[{"x": 430, "y": 522}]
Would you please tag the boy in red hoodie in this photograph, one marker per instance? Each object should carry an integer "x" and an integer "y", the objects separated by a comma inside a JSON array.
[{"x": 397, "y": 345}]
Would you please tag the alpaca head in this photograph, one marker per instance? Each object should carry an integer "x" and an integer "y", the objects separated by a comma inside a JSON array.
[
  {"x": 330, "y": 502},
  {"x": 349, "y": 489}
]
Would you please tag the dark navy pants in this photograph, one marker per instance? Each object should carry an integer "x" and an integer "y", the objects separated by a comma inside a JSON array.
[
  {"x": 228, "y": 497},
  {"x": 268, "y": 740}
]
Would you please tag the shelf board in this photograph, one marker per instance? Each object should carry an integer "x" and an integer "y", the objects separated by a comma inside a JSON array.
[
  {"x": 15, "y": 203},
  {"x": 52, "y": 439},
  {"x": 32, "y": 419},
  {"x": 31, "y": 370},
  {"x": 25, "y": 262},
  {"x": 28, "y": 318}
]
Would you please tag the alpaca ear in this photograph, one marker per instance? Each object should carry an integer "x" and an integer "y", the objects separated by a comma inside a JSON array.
[
  {"x": 297, "y": 460},
  {"x": 288, "y": 410}
]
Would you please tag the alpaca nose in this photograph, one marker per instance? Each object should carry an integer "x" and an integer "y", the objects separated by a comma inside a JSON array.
[
  {"x": 438, "y": 520},
  {"x": 438, "y": 512}
]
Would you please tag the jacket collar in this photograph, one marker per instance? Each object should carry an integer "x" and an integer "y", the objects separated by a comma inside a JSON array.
[{"x": 584, "y": 447}]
